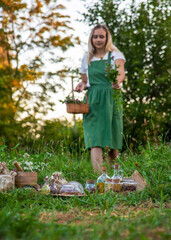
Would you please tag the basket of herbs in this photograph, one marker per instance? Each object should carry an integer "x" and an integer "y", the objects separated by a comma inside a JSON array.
[{"x": 76, "y": 106}]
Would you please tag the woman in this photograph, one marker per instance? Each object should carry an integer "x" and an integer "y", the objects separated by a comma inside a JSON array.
[{"x": 103, "y": 124}]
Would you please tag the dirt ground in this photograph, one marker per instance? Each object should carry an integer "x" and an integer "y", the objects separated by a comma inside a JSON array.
[{"x": 81, "y": 217}]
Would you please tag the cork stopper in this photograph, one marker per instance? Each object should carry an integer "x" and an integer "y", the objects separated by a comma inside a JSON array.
[
  {"x": 116, "y": 165},
  {"x": 117, "y": 180},
  {"x": 90, "y": 181},
  {"x": 104, "y": 169},
  {"x": 109, "y": 180}
]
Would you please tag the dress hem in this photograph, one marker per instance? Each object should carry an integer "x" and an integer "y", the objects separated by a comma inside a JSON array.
[{"x": 89, "y": 147}]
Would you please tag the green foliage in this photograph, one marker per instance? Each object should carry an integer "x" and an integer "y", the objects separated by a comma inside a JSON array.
[
  {"x": 30, "y": 35},
  {"x": 142, "y": 32},
  {"x": 69, "y": 99},
  {"x": 111, "y": 72},
  {"x": 60, "y": 135}
]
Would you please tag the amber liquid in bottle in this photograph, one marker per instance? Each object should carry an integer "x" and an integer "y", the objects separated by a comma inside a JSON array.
[{"x": 101, "y": 180}]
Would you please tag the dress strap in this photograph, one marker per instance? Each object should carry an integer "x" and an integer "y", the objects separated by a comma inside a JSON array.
[{"x": 109, "y": 57}]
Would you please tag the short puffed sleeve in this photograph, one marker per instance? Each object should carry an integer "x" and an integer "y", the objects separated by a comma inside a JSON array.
[
  {"x": 117, "y": 55},
  {"x": 84, "y": 65}
]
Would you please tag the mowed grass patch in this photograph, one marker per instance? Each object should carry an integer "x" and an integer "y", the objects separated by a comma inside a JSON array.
[{"x": 138, "y": 222}]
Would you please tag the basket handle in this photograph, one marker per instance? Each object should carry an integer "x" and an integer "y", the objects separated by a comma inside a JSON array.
[{"x": 83, "y": 93}]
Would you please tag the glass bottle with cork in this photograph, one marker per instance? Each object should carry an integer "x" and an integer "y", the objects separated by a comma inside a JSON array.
[
  {"x": 46, "y": 188},
  {"x": 101, "y": 180},
  {"x": 116, "y": 174},
  {"x": 116, "y": 178}
]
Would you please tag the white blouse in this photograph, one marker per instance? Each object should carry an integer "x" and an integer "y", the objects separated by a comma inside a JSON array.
[{"x": 84, "y": 64}]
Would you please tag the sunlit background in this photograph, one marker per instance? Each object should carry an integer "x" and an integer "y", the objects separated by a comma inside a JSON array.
[{"x": 73, "y": 55}]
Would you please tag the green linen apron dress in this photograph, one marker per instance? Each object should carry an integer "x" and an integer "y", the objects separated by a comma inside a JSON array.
[{"x": 103, "y": 125}]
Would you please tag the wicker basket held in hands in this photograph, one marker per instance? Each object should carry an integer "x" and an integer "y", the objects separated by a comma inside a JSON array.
[{"x": 76, "y": 108}]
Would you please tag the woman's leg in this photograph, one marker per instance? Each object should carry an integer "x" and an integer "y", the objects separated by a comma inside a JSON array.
[
  {"x": 112, "y": 155},
  {"x": 97, "y": 158}
]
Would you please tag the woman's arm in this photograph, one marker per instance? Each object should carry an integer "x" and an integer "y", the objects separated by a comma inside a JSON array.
[
  {"x": 120, "y": 63},
  {"x": 82, "y": 85}
]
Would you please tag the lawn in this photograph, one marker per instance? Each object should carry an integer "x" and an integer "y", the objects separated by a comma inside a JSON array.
[{"x": 26, "y": 214}]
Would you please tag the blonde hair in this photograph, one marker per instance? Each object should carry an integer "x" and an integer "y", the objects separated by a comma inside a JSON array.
[{"x": 110, "y": 47}]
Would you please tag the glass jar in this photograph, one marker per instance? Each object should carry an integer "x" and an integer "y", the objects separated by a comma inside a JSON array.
[
  {"x": 117, "y": 185},
  {"x": 90, "y": 186},
  {"x": 113, "y": 185},
  {"x": 108, "y": 185},
  {"x": 129, "y": 185}
]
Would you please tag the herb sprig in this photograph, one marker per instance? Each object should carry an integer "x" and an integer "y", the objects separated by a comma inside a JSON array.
[
  {"x": 112, "y": 74},
  {"x": 69, "y": 99}
]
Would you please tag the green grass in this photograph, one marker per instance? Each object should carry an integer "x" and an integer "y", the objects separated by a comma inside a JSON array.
[{"x": 25, "y": 214}]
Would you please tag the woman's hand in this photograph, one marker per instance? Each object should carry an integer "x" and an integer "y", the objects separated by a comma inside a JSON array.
[
  {"x": 120, "y": 78},
  {"x": 80, "y": 87},
  {"x": 116, "y": 85}
]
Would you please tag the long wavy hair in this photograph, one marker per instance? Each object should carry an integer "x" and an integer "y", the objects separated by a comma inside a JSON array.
[{"x": 109, "y": 45}]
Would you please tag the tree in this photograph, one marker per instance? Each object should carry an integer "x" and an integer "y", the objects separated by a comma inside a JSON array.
[
  {"x": 142, "y": 32},
  {"x": 30, "y": 33}
]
